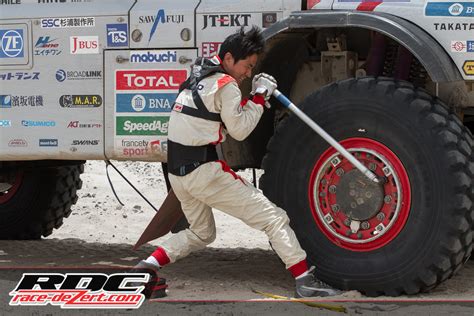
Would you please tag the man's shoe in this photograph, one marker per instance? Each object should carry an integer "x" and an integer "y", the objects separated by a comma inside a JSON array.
[
  {"x": 309, "y": 286},
  {"x": 156, "y": 286}
]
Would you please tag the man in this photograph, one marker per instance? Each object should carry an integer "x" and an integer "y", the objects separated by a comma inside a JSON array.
[{"x": 208, "y": 107}]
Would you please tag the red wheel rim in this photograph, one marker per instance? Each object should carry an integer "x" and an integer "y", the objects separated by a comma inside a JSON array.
[
  {"x": 332, "y": 174},
  {"x": 5, "y": 196}
]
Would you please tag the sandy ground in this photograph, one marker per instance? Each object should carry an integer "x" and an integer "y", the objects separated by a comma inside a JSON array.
[{"x": 100, "y": 233}]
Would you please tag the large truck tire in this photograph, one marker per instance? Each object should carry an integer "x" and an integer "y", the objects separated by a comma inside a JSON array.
[
  {"x": 406, "y": 235},
  {"x": 34, "y": 201}
]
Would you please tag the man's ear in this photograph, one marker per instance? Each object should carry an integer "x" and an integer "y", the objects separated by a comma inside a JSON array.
[{"x": 228, "y": 58}]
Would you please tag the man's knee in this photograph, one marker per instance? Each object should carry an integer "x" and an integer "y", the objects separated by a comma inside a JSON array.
[{"x": 205, "y": 236}]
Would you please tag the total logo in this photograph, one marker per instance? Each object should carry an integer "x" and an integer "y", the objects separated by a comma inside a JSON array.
[
  {"x": 149, "y": 79},
  {"x": 27, "y": 123},
  {"x": 153, "y": 57},
  {"x": 11, "y": 43},
  {"x": 84, "y": 44},
  {"x": 456, "y": 9}
]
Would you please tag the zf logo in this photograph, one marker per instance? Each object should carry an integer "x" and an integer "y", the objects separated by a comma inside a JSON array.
[
  {"x": 80, "y": 290},
  {"x": 117, "y": 35},
  {"x": 11, "y": 45}
]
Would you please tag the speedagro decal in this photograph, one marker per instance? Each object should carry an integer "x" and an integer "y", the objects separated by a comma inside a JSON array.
[
  {"x": 149, "y": 79},
  {"x": 142, "y": 125}
]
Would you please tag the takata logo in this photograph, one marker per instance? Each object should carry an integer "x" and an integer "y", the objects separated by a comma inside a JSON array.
[
  {"x": 149, "y": 79},
  {"x": 11, "y": 43}
]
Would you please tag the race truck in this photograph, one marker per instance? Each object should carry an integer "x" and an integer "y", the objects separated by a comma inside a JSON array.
[{"x": 392, "y": 81}]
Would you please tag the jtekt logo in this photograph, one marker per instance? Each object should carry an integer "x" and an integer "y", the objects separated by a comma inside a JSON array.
[{"x": 226, "y": 20}]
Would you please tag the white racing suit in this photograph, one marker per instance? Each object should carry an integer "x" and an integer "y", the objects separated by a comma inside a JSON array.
[{"x": 214, "y": 184}]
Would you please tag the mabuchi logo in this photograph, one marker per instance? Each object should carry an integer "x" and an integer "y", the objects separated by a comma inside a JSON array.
[
  {"x": 80, "y": 290},
  {"x": 225, "y": 20},
  {"x": 153, "y": 57},
  {"x": 84, "y": 44},
  {"x": 149, "y": 79}
]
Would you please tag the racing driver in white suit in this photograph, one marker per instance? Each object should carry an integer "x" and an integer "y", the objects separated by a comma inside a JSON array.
[{"x": 208, "y": 107}]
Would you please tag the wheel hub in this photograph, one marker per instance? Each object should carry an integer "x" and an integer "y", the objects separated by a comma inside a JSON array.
[
  {"x": 352, "y": 211},
  {"x": 359, "y": 198},
  {"x": 9, "y": 184}
]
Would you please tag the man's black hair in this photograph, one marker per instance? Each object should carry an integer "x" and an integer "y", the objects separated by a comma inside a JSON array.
[{"x": 243, "y": 44}]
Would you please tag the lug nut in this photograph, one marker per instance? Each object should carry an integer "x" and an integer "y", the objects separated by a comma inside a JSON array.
[
  {"x": 335, "y": 208},
  {"x": 332, "y": 189},
  {"x": 387, "y": 199},
  {"x": 339, "y": 171},
  {"x": 380, "y": 216},
  {"x": 347, "y": 222},
  {"x": 365, "y": 225}
]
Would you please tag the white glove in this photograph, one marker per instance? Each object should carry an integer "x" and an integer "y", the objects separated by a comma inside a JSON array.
[{"x": 264, "y": 84}]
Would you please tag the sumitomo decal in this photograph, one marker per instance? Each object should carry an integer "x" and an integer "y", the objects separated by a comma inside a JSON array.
[
  {"x": 149, "y": 79},
  {"x": 144, "y": 102}
]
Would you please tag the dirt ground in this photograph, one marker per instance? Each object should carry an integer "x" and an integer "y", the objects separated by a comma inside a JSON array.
[{"x": 100, "y": 233}]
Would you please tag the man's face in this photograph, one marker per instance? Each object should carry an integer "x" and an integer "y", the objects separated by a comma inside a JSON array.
[{"x": 241, "y": 69}]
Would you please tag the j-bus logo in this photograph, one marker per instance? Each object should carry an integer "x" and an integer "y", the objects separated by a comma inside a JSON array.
[
  {"x": 11, "y": 43},
  {"x": 80, "y": 290}
]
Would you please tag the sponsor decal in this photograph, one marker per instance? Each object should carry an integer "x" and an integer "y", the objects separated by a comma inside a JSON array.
[
  {"x": 226, "y": 20},
  {"x": 78, "y": 124},
  {"x": 18, "y": 142},
  {"x": 48, "y": 142},
  {"x": 62, "y": 75},
  {"x": 452, "y": 9},
  {"x": 10, "y": 2},
  {"x": 153, "y": 57},
  {"x": 160, "y": 17},
  {"x": 19, "y": 76},
  {"x": 80, "y": 101},
  {"x": 8, "y": 101},
  {"x": 142, "y": 125},
  {"x": 5, "y": 101},
  {"x": 209, "y": 49},
  {"x": 468, "y": 67},
  {"x": 117, "y": 35},
  {"x": 5, "y": 123},
  {"x": 462, "y": 46},
  {"x": 84, "y": 45},
  {"x": 453, "y": 26},
  {"x": 131, "y": 148},
  {"x": 68, "y": 22},
  {"x": 28, "y": 123},
  {"x": 45, "y": 46},
  {"x": 11, "y": 43},
  {"x": 149, "y": 79},
  {"x": 85, "y": 142},
  {"x": 268, "y": 19},
  {"x": 80, "y": 290},
  {"x": 145, "y": 102},
  {"x": 51, "y": 1}
]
